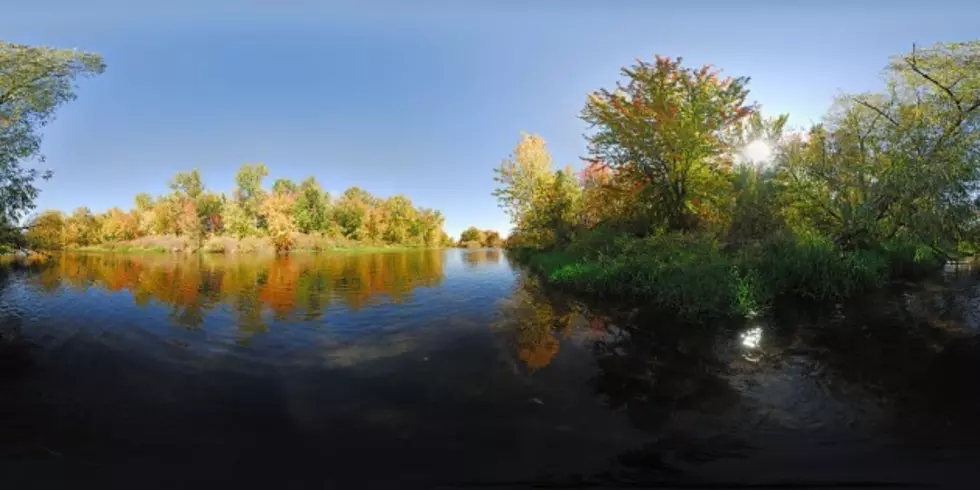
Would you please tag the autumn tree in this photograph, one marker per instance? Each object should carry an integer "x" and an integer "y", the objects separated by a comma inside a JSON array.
[
  {"x": 400, "y": 220},
  {"x": 277, "y": 211},
  {"x": 34, "y": 82},
  {"x": 673, "y": 132},
  {"x": 166, "y": 214},
  {"x": 143, "y": 207},
  {"x": 491, "y": 238},
  {"x": 472, "y": 235},
  {"x": 209, "y": 206},
  {"x": 46, "y": 231},
  {"x": 81, "y": 228},
  {"x": 189, "y": 221},
  {"x": 429, "y": 224},
  {"x": 117, "y": 225}
]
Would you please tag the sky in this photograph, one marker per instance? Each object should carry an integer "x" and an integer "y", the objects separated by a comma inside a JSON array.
[{"x": 422, "y": 98}]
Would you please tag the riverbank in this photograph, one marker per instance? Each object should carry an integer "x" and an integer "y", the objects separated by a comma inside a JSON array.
[
  {"x": 697, "y": 278},
  {"x": 248, "y": 245}
]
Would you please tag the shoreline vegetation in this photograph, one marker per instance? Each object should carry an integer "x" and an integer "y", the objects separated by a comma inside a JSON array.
[
  {"x": 287, "y": 217},
  {"x": 691, "y": 201}
]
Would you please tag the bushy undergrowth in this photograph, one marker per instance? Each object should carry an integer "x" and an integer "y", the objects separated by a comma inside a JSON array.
[{"x": 697, "y": 279}]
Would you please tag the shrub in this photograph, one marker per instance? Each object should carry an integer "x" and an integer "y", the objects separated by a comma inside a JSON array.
[{"x": 694, "y": 278}]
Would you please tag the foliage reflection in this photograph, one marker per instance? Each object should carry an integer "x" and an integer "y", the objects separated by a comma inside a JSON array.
[{"x": 292, "y": 287}]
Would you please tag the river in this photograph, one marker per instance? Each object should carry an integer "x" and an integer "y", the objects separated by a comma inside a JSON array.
[{"x": 453, "y": 368}]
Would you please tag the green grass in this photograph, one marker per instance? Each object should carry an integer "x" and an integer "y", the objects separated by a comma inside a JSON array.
[{"x": 696, "y": 279}]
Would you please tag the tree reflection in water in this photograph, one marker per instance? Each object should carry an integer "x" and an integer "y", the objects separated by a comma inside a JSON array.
[
  {"x": 536, "y": 319},
  {"x": 301, "y": 286},
  {"x": 900, "y": 363},
  {"x": 475, "y": 258}
]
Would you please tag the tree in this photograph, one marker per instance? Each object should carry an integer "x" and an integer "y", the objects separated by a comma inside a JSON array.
[
  {"x": 673, "y": 132},
  {"x": 900, "y": 163},
  {"x": 144, "y": 206},
  {"x": 528, "y": 192},
  {"x": 249, "y": 193},
  {"x": 472, "y": 234},
  {"x": 188, "y": 184},
  {"x": 352, "y": 213},
  {"x": 166, "y": 215},
  {"x": 556, "y": 210},
  {"x": 492, "y": 238},
  {"x": 47, "y": 231},
  {"x": 277, "y": 209},
  {"x": 209, "y": 206},
  {"x": 34, "y": 82},
  {"x": 189, "y": 221},
  {"x": 284, "y": 186},
  {"x": 81, "y": 228},
  {"x": 310, "y": 211},
  {"x": 522, "y": 176},
  {"x": 117, "y": 225},
  {"x": 236, "y": 220},
  {"x": 400, "y": 219}
]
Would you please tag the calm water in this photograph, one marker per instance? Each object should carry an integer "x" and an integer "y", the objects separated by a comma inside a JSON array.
[{"x": 454, "y": 369}]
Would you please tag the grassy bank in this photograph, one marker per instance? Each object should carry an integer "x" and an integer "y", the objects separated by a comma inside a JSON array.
[
  {"x": 248, "y": 245},
  {"x": 698, "y": 279}
]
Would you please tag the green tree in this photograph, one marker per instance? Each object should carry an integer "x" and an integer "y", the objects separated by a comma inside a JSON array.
[
  {"x": 556, "y": 209},
  {"x": 673, "y": 131},
  {"x": 352, "y": 213},
  {"x": 237, "y": 221},
  {"x": 400, "y": 220},
  {"x": 311, "y": 211},
  {"x": 284, "y": 186},
  {"x": 900, "y": 163},
  {"x": 34, "y": 82},
  {"x": 188, "y": 184},
  {"x": 522, "y": 177},
  {"x": 249, "y": 196}
]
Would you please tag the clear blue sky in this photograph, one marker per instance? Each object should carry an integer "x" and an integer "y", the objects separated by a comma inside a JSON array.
[{"x": 422, "y": 99}]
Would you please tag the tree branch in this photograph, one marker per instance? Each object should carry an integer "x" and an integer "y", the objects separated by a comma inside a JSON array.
[
  {"x": 877, "y": 110},
  {"x": 912, "y": 61}
]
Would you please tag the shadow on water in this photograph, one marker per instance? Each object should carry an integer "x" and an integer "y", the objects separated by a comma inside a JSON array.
[{"x": 451, "y": 368}]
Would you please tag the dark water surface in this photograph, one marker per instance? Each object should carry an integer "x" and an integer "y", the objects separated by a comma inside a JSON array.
[{"x": 454, "y": 369}]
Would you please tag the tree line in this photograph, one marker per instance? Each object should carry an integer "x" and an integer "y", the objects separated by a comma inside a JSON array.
[{"x": 282, "y": 213}]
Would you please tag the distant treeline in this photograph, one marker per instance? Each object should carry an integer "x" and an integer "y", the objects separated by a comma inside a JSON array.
[
  {"x": 474, "y": 237},
  {"x": 287, "y": 215}
]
